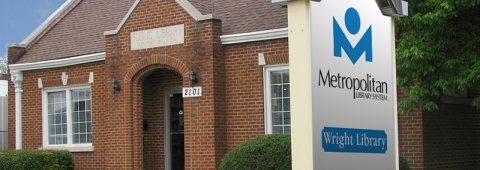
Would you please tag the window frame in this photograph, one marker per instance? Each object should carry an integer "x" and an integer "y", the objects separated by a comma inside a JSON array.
[
  {"x": 70, "y": 146},
  {"x": 267, "y": 91}
]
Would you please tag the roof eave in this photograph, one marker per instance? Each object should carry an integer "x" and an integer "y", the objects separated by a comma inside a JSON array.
[
  {"x": 254, "y": 36},
  {"x": 89, "y": 58}
]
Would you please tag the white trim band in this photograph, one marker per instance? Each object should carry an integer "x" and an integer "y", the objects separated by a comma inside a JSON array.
[
  {"x": 59, "y": 62},
  {"x": 254, "y": 36},
  {"x": 72, "y": 148}
]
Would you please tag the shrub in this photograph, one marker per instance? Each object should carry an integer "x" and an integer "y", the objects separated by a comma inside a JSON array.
[
  {"x": 404, "y": 163},
  {"x": 265, "y": 152},
  {"x": 36, "y": 159}
]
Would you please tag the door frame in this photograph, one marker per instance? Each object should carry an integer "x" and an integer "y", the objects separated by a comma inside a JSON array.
[{"x": 168, "y": 146}]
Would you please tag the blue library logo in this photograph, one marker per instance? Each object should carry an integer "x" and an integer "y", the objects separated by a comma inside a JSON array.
[{"x": 340, "y": 40}]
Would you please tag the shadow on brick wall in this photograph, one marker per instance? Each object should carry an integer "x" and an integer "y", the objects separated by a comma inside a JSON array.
[{"x": 451, "y": 137}]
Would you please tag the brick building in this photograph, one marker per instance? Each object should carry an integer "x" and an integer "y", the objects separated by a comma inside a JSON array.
[{"x": 104, "y": 78}]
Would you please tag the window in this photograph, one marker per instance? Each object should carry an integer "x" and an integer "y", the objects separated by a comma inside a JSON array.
[
  {"x": 57, "y": 118},
  {"x": 277, "y": 100},
  {"x": 67, "y": 119}
]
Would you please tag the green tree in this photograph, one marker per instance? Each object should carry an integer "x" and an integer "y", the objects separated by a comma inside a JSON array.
[
  {"x": 3, "y": 68},
  {"x": 438, "y": 51}
]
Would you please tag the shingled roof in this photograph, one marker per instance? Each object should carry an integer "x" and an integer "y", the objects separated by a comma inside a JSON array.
[
  {"x": 241, "y": 16},
  {"x": 79, "y": 30}
]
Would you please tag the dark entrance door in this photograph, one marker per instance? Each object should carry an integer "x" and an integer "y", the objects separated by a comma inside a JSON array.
[{"x": 177, "y": 142}]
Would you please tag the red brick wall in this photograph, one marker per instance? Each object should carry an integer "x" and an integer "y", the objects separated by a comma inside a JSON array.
[
  {"x": 451, "y": 137},
  {"x": 11, "y": 115},
  {"x": 154, "y": 112},
  {"x": 442, "y": 139},
  {"x": 121, "y": 112},
  {"x": 201, "y": 52},
  {"x": 231, "y": 110},
  {"x": 32, "y": 109},
  {"x": 244, "y": 82},
  {"x": 410, "y": 137}
]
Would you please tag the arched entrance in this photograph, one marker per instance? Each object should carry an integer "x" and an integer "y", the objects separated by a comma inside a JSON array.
[
  {"x": 149, "y": 84},
  {"x": 163, "y": 132}
]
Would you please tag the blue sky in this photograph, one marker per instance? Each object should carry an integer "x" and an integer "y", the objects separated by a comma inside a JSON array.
[{"x": 18, "y": 18}]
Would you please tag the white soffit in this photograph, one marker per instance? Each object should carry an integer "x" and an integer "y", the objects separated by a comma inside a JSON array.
[
  {"x": 254, "y": 36},
  {"x": 185, "y": 4},
  {"x": 59, "y": 62}
]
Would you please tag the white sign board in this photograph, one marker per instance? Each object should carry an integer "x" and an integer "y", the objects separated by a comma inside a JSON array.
[
  {"x": 192, "y": 92},
  {"x": 158, "y": 37},
  {"x": 354, "y": 122}
]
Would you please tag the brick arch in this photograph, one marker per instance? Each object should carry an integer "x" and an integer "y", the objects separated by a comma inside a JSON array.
[
  {"x": 154, "y": 62},
  {"x": 133, "y": 88},
  {"x": 146, "y": 71}
]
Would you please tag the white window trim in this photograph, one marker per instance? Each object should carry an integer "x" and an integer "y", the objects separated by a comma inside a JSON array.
[
  {"x": 268, "y": 92},
  {"x": 69, "y": 146}
]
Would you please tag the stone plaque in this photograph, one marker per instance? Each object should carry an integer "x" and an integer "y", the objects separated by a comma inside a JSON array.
[{"x": 158, "y": 37}]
